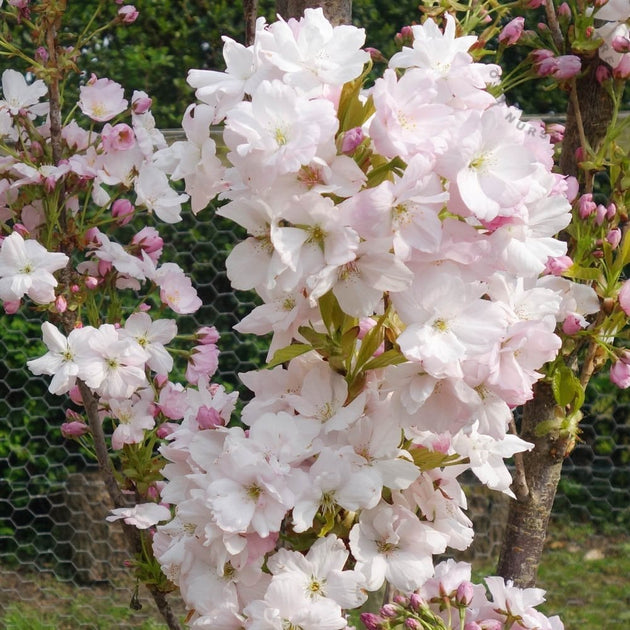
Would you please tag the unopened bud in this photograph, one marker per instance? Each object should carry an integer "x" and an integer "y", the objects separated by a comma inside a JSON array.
[
  {"x": 388, "y": 610},
  {"x": 61, "y": 305},
  {"x": 464, "y": 593}
]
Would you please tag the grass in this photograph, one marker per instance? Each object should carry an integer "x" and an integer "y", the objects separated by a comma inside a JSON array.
[{"x": 586, "y": 575}]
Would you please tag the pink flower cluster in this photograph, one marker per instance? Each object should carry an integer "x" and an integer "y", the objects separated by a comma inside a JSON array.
[
  {"x": 421, "y": 205},
  {"x": 451, "y": 594},
  {"x": 615, "y": 32}
]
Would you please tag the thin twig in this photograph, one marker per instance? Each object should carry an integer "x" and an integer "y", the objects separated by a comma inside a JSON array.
[{"x": 554, "y": 25}]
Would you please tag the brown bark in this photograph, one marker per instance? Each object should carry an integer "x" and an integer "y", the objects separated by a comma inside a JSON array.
[
  {"x": 588, "y": 115},
  {"x": 591, "y": 107},
  {"x": 528, "y": 517},
  {"x": 337, "y": 11},
  {"x": 250, "y": 11}
]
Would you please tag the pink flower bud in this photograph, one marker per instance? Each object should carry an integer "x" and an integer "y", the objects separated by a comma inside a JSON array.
[
  {"x": 401, "y": 600},
  {"x": 620, "y": 44},
  {"x": 140, "y": 103},
  {"x": 388, "y": 610},
  {"x": 464, "y": 594},
  {"x": 144, "y": 307},
  {"x": 91, "y": 282},
  {"x": 11, "y": 307},
  {"x": 568, "y": 67},
  {"x": 41, "y": 54},
  {"x": 573, "y": 323},
  {"x": 128, "y": 13},
  {"x": 573, "y": 188},
  {"x": 412, "y": 624},
  {"x": 558, "y": 265},
  {"x": 602, "y": 73},
  {"x": 160, "y": 380},
  {"x": 375, "y": 55},
  {"x": 371, "y": 621},
  {"x": 491, "y": 624},
  {"x": 123, "y": 210},
  {"x": 75, "y": 288},
  {"x": 586, "y": 205},
  {"x": 208, "y": 418},
  {"x": 624, "y": 297},
  {"x": 416, "y": 602},
  {"x": 61, "y": 304},
  {"x": 75, "y": 396},
  {"x": 149, "y": 240},
  {"x": 166, "y": 429},
  {"x": 540, "y": 55},
  {"x": 622, "y": 69},
  {"x": 472, "y": 625},
  {"x": 556, "y": 132},
  {"x": 512, "y": 31},
  {"x": 564, "y": 10},
  {"x": 207, "y": 334},
  {"x": 620, "y": 373},
  {"x": 74, "y": 429},
  {"x": 91, "y": 236},
  {"x": 611, "y": 211},
  {"x": 614, "y": 237},
  {"x": 20, "y": 229},
  {"x": 534, "y": 4},
  {"x": 600, "y": 214},
  {"x": 351, "y": 140}
]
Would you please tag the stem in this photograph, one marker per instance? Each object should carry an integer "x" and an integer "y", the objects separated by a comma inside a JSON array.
[
  {"x": 250, "y": 10},
  {"x": 133, "y": 537},
  {"x": 528, "y": 517},
  {"x": 554, "y": 26}
]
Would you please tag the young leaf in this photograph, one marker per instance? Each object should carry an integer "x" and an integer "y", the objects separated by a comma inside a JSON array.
[{"x": 289, "y": 352}]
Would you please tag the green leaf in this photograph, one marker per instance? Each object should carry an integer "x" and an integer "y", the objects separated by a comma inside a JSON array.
[
  {"x": 567, "y": 389},
  {"x": 426, "y": 459},
  {"x": 331, "y": 312},
  {"x": 286, "y": 354},
  {"x": 582, "y": 273},
  {"x": 379, "y": 174},
  {"x": 389, "y": 357},
  {"x": 317, "y": 340}
]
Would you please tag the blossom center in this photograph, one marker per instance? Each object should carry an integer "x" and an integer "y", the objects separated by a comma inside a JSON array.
[
  {"x": 316, "y": 587},
  {"x": 254, "y": 491}
]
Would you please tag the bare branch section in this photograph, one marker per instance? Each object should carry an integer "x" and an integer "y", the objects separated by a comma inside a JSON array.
[
  {"x": 250, "y": 12},
  {"x": 337, "y": 11}
]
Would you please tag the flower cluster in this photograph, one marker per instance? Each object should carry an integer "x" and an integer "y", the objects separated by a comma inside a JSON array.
[
  {"x": 75, "y": 202},
  {"x": 450, "y": 597},
  {"x": 399, "y": 237}
]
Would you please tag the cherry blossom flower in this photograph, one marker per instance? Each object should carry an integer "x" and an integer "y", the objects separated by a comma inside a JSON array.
[
  {"x": 102, "y": 99},
  {"x": 64, "y": 358},
  {"x": 143, "y": 515},
  {"x": 18, "y": 94},
  {"x": 26, "y": 268}
]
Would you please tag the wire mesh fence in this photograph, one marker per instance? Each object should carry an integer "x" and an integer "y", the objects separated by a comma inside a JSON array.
[{"x": 63, "y": 566}]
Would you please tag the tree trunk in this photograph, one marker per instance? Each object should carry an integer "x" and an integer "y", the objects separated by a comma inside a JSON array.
[
  {"x": 529, "y": 515},
  {"x": 588, "y": 115},
  {"x": 337, "y": 11}
]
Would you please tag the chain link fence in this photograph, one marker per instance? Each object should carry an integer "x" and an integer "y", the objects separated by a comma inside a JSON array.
[{"x": 63, "y": 566}]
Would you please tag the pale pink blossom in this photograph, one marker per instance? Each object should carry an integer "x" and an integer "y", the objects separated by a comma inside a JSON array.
[
  {"x": 102, "y": 99},
  {"x": 132, "y": 418},
  {"x": 18, "y": 94},
  {"x": 26, "y": 268},
  {"x": 143, "y": 515}
]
